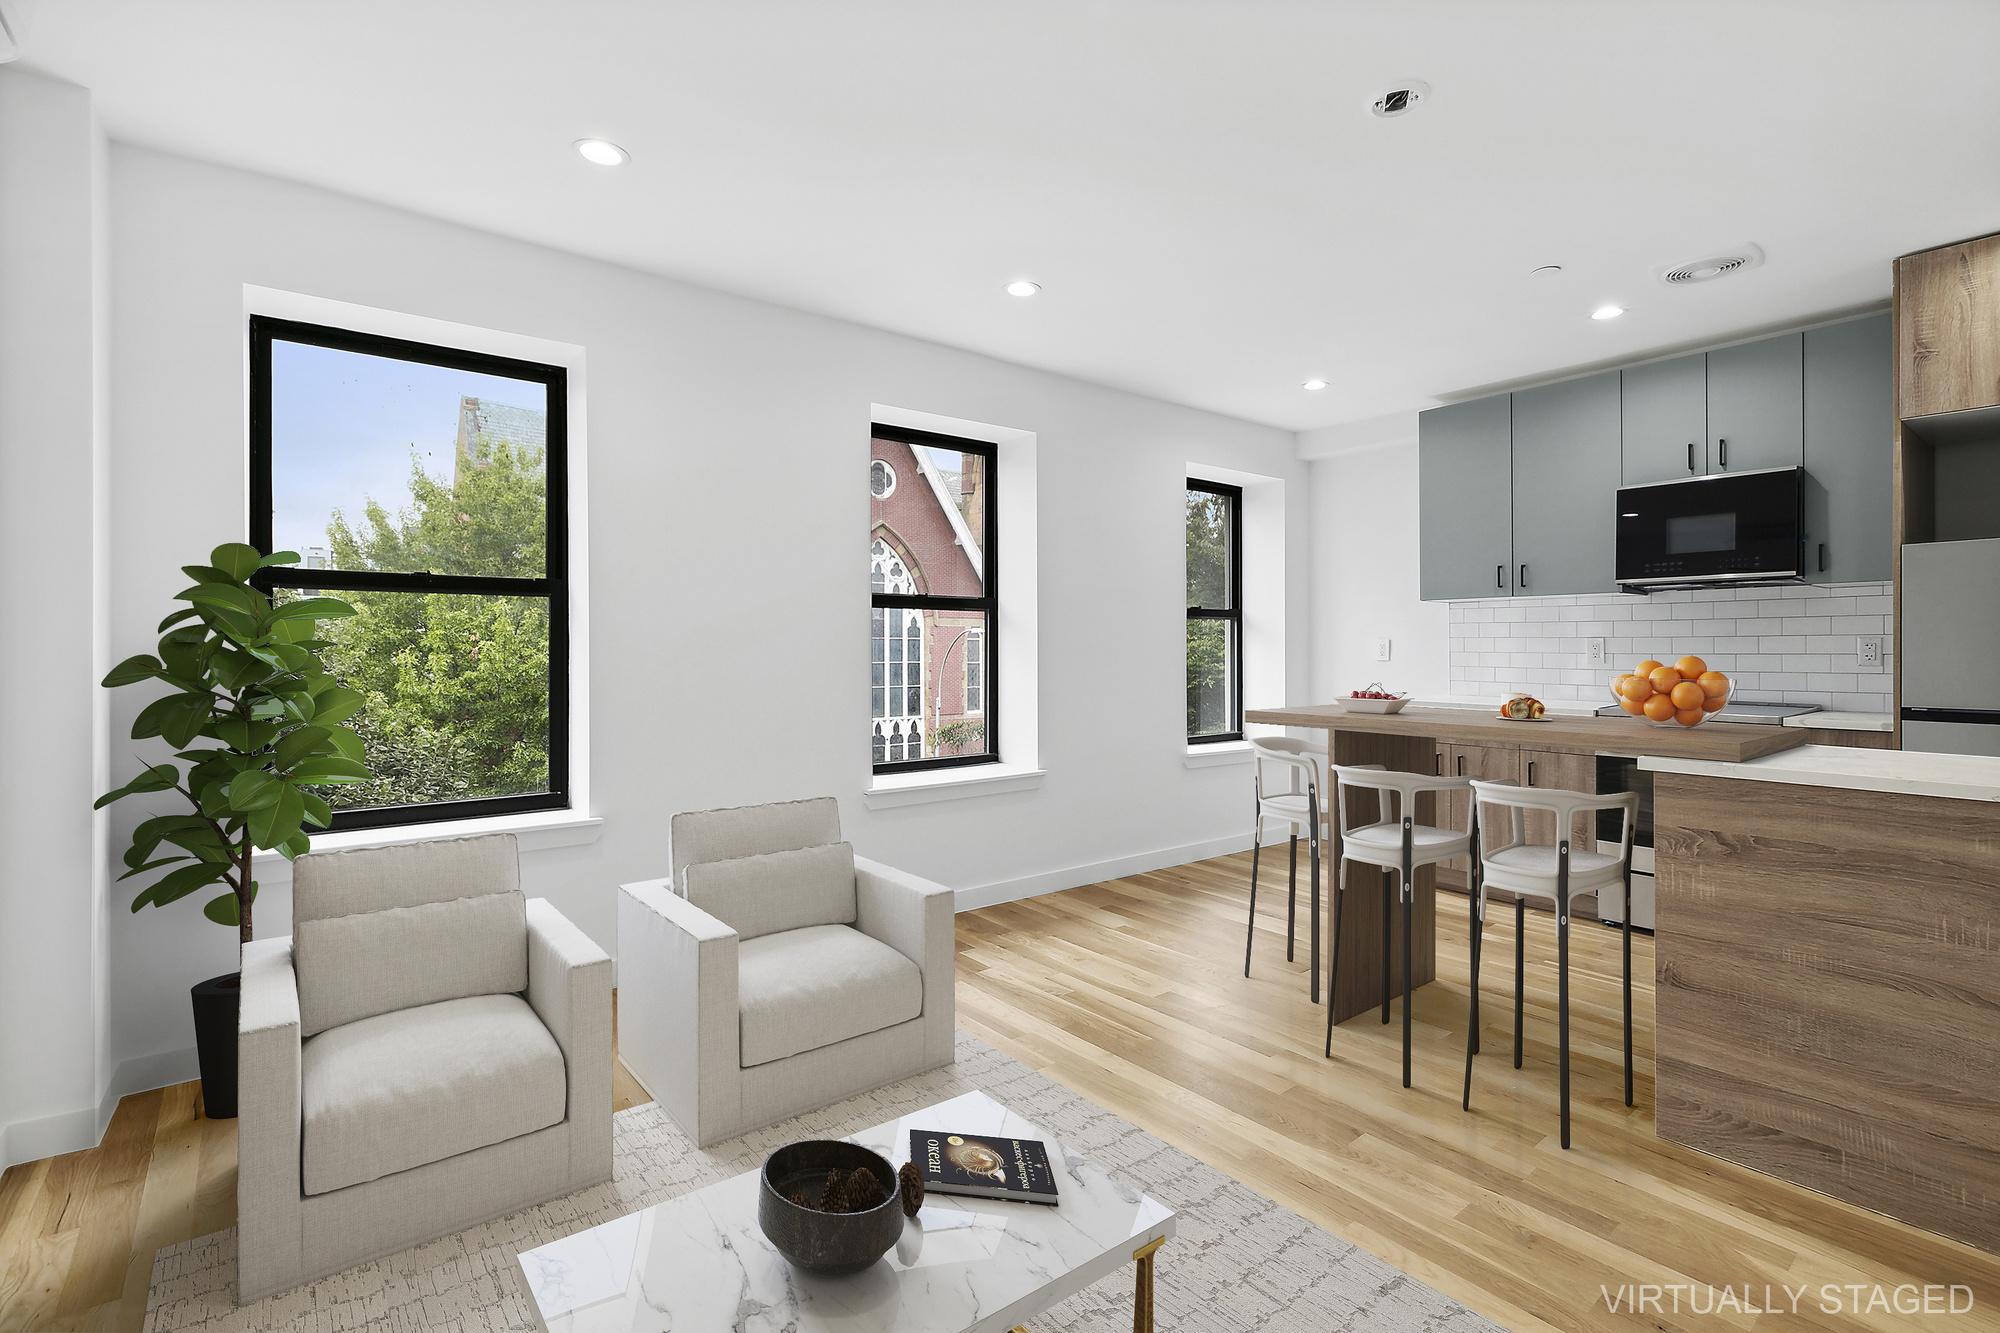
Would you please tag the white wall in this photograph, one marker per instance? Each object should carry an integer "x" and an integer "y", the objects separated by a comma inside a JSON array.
[
  {"x": 728, "y": 522},
  {"x": 1365, "y": 564},
  {"x": 53, "y": 438}
]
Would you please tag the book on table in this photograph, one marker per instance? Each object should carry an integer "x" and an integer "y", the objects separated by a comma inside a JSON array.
[{"x": 985, "y": 1166}]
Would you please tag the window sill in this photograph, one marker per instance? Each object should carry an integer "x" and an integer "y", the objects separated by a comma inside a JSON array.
[
  {"x": 950, "y": 784},
  {"x": 1212, "y": 756},
  {"x": 535, "y": 832}
]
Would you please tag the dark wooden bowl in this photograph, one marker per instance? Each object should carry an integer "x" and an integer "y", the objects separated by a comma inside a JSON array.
[{"x": 828, "y": 1243}]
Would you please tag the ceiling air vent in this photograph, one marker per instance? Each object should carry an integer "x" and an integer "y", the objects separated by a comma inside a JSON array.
[
  {"x": 1400, "y": 98},
  {"x": 1713, "y": 267}
]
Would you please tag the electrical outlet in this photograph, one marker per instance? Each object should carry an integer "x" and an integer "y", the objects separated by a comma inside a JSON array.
[
  {"x": 1381, "y": 650},
  {"x": 1593, "y": 651},
  {"x": 1869, "y": 650}
]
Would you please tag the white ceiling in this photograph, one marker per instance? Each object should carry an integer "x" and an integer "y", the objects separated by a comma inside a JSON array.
[{"x": 1212, "y": 212}]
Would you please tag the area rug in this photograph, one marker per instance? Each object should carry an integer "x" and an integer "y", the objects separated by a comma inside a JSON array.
[{"x": 1238, "y": 1262}]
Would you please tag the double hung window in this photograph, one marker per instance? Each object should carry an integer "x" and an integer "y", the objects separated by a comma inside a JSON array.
[
  {"x": 1214, "y": 612},
  {"x": 426, "y": 486},
  {"x": 933, "y": 567}
]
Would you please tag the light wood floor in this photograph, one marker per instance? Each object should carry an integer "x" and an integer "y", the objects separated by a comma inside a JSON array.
[{"x": 1132, "y": 993}]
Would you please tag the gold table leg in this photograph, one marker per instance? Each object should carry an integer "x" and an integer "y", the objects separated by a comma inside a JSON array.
[{"x": 1142, "y": 1287}]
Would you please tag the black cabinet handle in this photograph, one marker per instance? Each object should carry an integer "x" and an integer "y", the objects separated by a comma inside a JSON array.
[
  {"x": 1722, "y": 447},
  {"x": 1524, "y": 576},
  {"x": 1499, "y": 576},
  {"x": 1690, "y": 455},
  {"x": 1438, "y": 768},
  {"x": 1461, "y": 765},
  {"x": 1531, "y": 772},
  {"x": 1822, "y": 557}
]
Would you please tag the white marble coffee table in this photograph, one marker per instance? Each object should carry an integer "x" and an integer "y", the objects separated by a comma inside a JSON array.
[{"x": 699, "y": 1263}]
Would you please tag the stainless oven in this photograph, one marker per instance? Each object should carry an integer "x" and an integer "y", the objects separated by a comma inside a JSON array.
[{"x": 1733, "y": 527}]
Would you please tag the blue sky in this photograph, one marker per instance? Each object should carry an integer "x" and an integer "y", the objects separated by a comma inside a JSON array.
[{"x": 342, "y": 427}]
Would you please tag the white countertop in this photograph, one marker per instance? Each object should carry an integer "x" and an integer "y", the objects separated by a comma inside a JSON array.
[
  {"x": 1963, "y": 777},
  {"x": 1829, "y": 721}
]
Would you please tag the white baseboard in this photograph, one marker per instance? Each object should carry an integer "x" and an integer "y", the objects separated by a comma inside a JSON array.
[
  {"x": 1055, "y": 881},
  {"x": 74, "y": 1131}
]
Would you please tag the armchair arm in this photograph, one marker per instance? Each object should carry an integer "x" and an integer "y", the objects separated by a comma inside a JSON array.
[
  {"x": 269, "y": 1210},
  {"x": 678, "y": 1030},
  {"x": 915, "y": 918},
  {"x": 569, "y": 988}
]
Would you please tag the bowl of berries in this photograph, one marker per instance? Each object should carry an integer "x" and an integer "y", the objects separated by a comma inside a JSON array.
[{"x": 1375, "y": 699}]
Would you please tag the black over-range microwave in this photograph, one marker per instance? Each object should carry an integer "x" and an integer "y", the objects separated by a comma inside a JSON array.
[{"x": 1733, "y": 527}]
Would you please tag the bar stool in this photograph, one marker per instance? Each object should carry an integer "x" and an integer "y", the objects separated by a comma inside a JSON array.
[
  {"x": 1394, "y": 842},
  {"x": 1559, "y": 873},
  {"x": 1302, "y": 765}
]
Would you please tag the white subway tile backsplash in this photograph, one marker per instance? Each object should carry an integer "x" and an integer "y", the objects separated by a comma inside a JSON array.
[{"x": 1781, "y": 645}]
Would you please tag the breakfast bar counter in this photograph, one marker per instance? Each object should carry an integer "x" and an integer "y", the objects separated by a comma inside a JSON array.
[{"x": 1554, "y": 751}]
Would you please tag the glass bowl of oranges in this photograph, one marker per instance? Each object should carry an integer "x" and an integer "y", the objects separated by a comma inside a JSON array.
[{"x": 1685, "y": 694}]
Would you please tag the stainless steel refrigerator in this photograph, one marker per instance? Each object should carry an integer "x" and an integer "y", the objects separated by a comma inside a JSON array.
[{"x": 1951, "y": 647}]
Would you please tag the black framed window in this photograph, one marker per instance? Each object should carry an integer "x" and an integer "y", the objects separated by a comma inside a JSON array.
[
  {"x": 428, "y": 486},
  {"x": 1214, "y": 612},
  {"x": 933, "y": 521}
]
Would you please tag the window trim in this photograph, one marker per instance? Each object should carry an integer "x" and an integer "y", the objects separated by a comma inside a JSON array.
[
  {"x": 988, "y": 602},
  {"x": 552, "y": 587},
  {"x": 1233, "y": 613}
]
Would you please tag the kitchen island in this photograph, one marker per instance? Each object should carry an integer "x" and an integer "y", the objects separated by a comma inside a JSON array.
[
  {"x": 1827, "y": 959},
  {"x": 1557, "y": 751}
]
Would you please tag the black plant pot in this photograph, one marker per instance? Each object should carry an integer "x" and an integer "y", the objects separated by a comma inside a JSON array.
[
  {"x": 217, "y": 1002},
  {"x": 830, "y": 1243}
]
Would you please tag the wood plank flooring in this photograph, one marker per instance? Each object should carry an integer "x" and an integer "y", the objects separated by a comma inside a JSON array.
[{"x": 1132, "y": 993}]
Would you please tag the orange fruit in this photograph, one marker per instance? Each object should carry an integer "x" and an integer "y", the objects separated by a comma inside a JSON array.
[
  {"x": 1690, "y": 666},
  {"x": 1618, "y": 681},
  {"x": 1713, "y": 703},
  {"x": 1635, "y": 689},
  {"x": 1714, "y": 684},
  {"x": 1687, "y": 717},
  {"x": 1646, "y": 668},
  {"x": 1632, "y": 706},
  {"x": 1665, "y": 678},
  {"x": 1686, "y": 695},
  {"x": 1659, "y": 708}
]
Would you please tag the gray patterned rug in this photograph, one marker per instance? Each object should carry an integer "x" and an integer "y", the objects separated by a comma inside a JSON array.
[{"x": 1239, "y": 1261}]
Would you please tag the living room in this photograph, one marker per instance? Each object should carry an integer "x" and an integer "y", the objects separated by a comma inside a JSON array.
[{"x": 1095, "y": 299}]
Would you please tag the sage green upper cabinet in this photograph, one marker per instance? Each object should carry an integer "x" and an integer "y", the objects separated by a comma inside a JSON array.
[
  {"x": 1756, "y": 407},
  {"x": 1849, "y": 429},
  {"x": 1566, "y": 466},
  {"x": 1464, "y": 471},
  {"x": 1666, "y": 420}
]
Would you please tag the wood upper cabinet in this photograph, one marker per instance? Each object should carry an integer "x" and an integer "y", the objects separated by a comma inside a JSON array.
[
  {"x": 1948, "y": 329},
  {"x": 1756, "y": 414},
  {"x": 1566, "y": 463},
  {"x": 1466, "y": 528},
  {"x": 1665, "y": 409},
  {"x": 1849, "y": 450}
]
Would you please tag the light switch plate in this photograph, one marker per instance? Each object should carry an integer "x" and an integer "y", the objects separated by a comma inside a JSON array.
[
  {"x": 1869, "y": 650},
  {"x": 1593, "y": 651},
  {"x": 1381, "y": 650}
]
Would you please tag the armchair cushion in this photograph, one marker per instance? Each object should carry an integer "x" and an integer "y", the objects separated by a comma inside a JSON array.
[
  {"x": 355, "y": 967},
  {"x": 749, "y": 830},
  {"x": 779, "y": 891},
  {"x": 799, "y": 990},
  {"x": 401, "y": 1089}
]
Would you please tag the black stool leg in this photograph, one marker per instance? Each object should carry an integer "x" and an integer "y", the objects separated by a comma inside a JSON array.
[
  {"x": 1407, "y": 896},
  {"x": 1312, "y": 807},
  {"x": 1562, "y": 983},
  {"x": 1292, "y": 906},
  {"x": 1472, "y": 1029},
  {"x": 1387, "y": 908},
  {"x": 1628, "y": 983},
  {"x": 1478, "y": 929},
  {"x": 1333, "y": 963},
  {"x": 1520, "y": 969},
  {"x": 1256, "y": 850}
]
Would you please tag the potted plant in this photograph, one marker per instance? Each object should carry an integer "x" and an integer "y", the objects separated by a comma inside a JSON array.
[{"x": 247, "y": 679}]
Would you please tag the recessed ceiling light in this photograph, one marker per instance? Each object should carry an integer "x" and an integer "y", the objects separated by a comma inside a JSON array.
[
  {"x": 1545, "y": 271},
  {"x": 1022, "y": 287},
  {"x": 1313, "y": 385},
  {"x": 602, "y": 151},
  {"x": 1607, "y": 312}
]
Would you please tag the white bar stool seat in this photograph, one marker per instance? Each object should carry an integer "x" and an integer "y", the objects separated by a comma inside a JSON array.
[
  {"x": 1395, "y": 842},
  {"x": 1560, "y": 873}
]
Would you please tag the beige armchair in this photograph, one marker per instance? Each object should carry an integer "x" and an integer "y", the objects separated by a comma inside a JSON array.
[
  {"x": 426, "y": 1051},
  {"x": 775, "y": 972}
]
